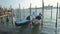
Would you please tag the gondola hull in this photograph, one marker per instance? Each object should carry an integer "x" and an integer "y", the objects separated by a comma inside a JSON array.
[
  {"x": 23, "y": 21},
  {"x": 20, "y": 24},
  {"x": 36, "y": 22}
]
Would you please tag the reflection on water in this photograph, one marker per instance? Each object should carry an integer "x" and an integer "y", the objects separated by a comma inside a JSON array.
[
  {"x": 35, "y": 30},
  {"x": 48, "y": 28},
  {"x": 25, "y": 29}
]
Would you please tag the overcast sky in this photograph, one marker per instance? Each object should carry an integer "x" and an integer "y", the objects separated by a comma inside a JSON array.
[{"x": 25, "y": 3}]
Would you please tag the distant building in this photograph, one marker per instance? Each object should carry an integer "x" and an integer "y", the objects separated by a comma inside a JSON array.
[{"x": 47, "y": 7}]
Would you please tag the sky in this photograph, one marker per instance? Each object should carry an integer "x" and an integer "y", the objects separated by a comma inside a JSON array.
[{"x": 26, "y": 3}]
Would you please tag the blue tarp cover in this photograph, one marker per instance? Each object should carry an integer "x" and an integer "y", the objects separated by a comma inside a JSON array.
[{"x": 22, "y": 21}]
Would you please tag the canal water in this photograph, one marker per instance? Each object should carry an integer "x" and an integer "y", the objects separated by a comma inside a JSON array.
[{"x": 48, "y": 24}]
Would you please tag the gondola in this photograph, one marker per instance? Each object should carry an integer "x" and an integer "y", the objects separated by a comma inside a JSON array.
[
  {"x": 35, "y": 20},
  {"x": 24, "y": 21}
]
